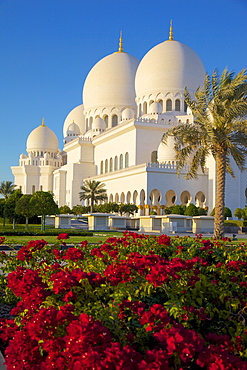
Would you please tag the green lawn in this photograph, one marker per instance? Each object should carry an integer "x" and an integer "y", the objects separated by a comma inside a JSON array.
[{"x": 96, "y": 238}]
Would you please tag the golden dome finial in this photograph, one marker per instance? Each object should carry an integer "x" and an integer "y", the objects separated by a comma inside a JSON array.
[
  {"x": 120, "y": 48},
  {"x": 43, "y": 122},
  {"x": 171, "y": 31}
]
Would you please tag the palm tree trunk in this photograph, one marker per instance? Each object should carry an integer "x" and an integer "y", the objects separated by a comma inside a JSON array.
[
  {"x": 91, "y": 206},
  {"x": 220, "y": 194}
]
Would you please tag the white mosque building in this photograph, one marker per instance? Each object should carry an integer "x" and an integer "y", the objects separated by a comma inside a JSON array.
[{"x": 115, "y": 136}]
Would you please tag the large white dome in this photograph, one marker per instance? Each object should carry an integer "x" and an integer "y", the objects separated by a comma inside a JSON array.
[
  {"x": 42, "y": 138},
  {"x": 75, "y": 116},
  {"x": 168, "y": 67},
  {"x": 111, "y": 82}
]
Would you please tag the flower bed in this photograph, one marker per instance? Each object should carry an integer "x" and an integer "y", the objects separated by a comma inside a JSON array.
[{"x": 135, "y": 302}]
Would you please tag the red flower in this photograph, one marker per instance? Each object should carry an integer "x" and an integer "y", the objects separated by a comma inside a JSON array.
[
  {"x": 164, "y": 240},
  {"x": 73, "y": 254},
  {"x": 63, "y": 236},
  {"x": 84, "y": 243}
]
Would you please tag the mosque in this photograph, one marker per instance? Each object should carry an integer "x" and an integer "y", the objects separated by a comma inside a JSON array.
[{"x": 115, "y": 136}]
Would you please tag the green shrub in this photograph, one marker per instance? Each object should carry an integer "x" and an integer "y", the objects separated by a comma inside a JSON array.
[{"x": 54, "y": 232}]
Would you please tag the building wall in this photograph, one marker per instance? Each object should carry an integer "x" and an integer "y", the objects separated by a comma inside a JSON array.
[{"x": 115, "y": 143}]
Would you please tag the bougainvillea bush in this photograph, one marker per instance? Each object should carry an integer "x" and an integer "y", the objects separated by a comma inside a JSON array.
[{"x": 136, "y": 302}]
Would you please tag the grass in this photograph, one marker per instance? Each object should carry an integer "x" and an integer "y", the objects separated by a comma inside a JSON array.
[{"x": 96, "y": 238}]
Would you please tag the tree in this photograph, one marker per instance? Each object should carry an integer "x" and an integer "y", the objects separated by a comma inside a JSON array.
[
  {"x": 178, "y": 209},
  {"x": 42, "y": 204},
  {"x": 93, "y": 191},
  {"x": 239, "y": 213},
  {"x": 23, "y": 207},
  {"x": 2, "y": 203},
  {"x": 10, "y": 204},
  {"x": 79, "y": 209},
  {"x": 128, "y": 208},
  {"x": 219, "y": 129},
  {"x": 202, "y": 211},
  {"x": 168, "y": 210},
  {"x": 7, "y": 188},
  {"x": 191, "y": 210},
  {"x": 65, "y": 210},
  {"x": 227, "y": 212},
  {"x": 107, "y": 207}
]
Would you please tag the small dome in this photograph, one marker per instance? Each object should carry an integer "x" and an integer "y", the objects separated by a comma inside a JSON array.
[
  {"x": 127, "y": 114},
  {"x": 111, "y": 82},
  {"x": 76, "y": 115},
  {"x": 42, "y": 138},
  {"x": 155, "y": 108},
  {"x": 73, "y": 129},
  {"x": 169, "y": 67},
  {"x": 166, "y": 153},
  {"x": 98, "y": 124}
]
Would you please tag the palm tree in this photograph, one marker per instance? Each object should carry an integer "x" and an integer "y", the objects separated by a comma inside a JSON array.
[
  {"x": 7, "y": 188},
  {"x": 219, "y": 129},
  {"x": 94, "y": 191}
]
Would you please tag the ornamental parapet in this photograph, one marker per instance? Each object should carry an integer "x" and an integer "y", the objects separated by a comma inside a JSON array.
[{"x": 171, "y": 165}]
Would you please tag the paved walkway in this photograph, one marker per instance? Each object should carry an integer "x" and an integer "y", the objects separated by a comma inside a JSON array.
[{"x": 2, "y": 366}]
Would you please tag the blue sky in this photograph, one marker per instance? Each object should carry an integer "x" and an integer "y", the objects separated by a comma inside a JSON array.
[{"x": 49, "y": 46}]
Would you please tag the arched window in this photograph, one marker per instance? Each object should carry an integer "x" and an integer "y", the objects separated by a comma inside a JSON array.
[
  {"x": 121, "y": 161},
  {"x": 106, "y": 165},
  {"x": 116, "y": 163},
  {"x": 86, "y": 123},
  {"x": 126, "y": 160},
  {"x": 101, "y": 167},
  {"x": 106, "y": 120},
  {"x": 177, "y": 105},
  {"x": 114, "y": 120},
  {"x": 110, "y": 170},
  {"x": 41, "y": 188},
  {"x": 145, "y": 107},
  {"x": 154, "y": 156},
  {"x": 168, "y": 105},
  {"x": 151, "y": 102},
  {"x": 33, "y": 189}
]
